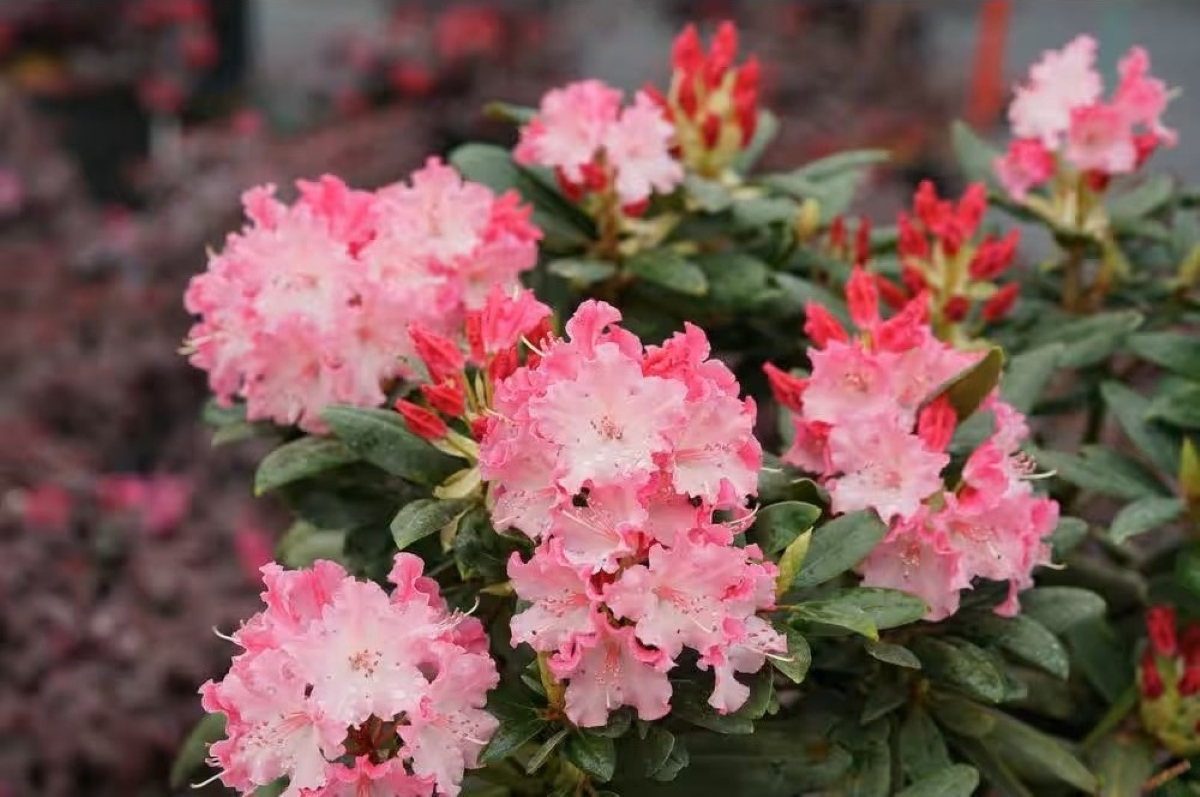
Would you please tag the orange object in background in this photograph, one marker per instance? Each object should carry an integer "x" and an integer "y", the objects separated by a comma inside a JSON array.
[{"x": 985, "y": 99}]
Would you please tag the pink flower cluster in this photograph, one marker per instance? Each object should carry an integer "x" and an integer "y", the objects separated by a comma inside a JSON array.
[
  {"x": 1058, "y": 113},
  {"x": 614, "y": 458},
  {"x": 309, "y": 304},
  {"x": 868, "y": 421},
  {"x": 346, "y": 691},
  {"x": 597, "y": 147}
]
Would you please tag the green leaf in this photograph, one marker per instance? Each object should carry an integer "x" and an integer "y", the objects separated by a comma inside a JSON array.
[
  {"x": 837, "y": 614},
  {"x": 647, "y": 755},
  {"x": 799, "y": 656},
  {"x": 582, "y": 272},
  {"x": 961, "y": 716},
  {"x": 1059, "y": 608},
  {"x": 1145, "y": 514},
  {"x": 300, "y": 459},
  {"x": 890, "y": 653},
  {"x": 765, "y": 130},
  {"x": 1178, "y": 406},
  {"x": 1187, "y": 567},
  {"x": 791, "y": 561},
  {"x": 272, "y": 789},
  {"x": 1149, "y": 197},
  {"x": 690, "y": 703},
  {"x": 417, "y": 520},
  {"x": 841, "y": 162},
  {"x": 838, "y": 546},
  {"x": 1028, "y": 749},
  {"x": 1102, "y": 656},
  {"x": 797, "y": 292},
  {"x": 1178, "y": 352},
  {"x": 1069, "y": 532},
  {"x": 967, "y": 390},
  {"x": 871, "y": 774},
  {"x": 1100, "y": 470},
  {"x": 194, "y": 750},
  {"x": 518, "y": 725},
  {"x": 975, "y": 156},
  {"x": 1023, "y": 637},
  {"x": 887, "y": 608},
  {"x": 1131, "y": 409},
  {"x": 508, "y": 112},
  {"x": 676, "y": 762},
  {"x": 381, "y": 438},
  {"x": 1090, "y": 340},
  {"x": 958, "y": 663},
  {"x": 994, "y": 769},
  {"x": 539, "y": 757},
  {"x": 710, "y": 195},
  {"x": 956, "y": 780},
  {"x": 671, "y": 271},
  {"x": 304, "y": 544},
  {"x": 1027, "y": 375},
  {"x": 1123, "y": 762},
  {"x": 778, "y": 525},
  {"x": 921, "y": 746},
  {"x": 595, "y": 755},
  {"x": 761, "y": 211}
]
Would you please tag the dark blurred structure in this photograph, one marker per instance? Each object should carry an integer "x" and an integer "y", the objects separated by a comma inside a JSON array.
[{"x": 127, "y": 130}]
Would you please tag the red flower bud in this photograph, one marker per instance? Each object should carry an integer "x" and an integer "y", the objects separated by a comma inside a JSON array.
[
  {"x": 837, "y": 233},
  {"x": 862, "y": 241},
  {"x": 447, "y": 397},
  {"x": 502, "y": 365},
  {"x": 913, "y": 278},
  {"x": 1189, "y": 644},
  {"x": 1144, "y": 145},
  {"x": 710, "y": 130},
  {"x": 420, "y": 421},
  {"x": 1151, "y": 681},
  {"x": 911, "y": 241},
  {"x": 473, "y": 330},
  {"x": 906, "y": 329},
  {"x": 441, "y": 356},
  {"x": 956, "y": 308},
  {"x": 479, "y": 426},
  {"x": 721, "y": 53},
  {"x": 687, "y": 55},
  {"x": 595, "y": 178},
  {"x": 892, "y": 294},
  {"x": 971, "y": 208},
  {"x": 862, "y": 298},
  {"x": 1097, "y": 181},
  {"x": 686, "y": 96},
  {"x": 635, "y": 209},
  {"x": 1000, "y": 303},
  {"x": 570, "y": 189},
  {"x": 1189, "y": 684},
  {"x": 1160, "y": 628},
  {"x": 820, "y": 326},
  {"x": 787, "y": 389}
]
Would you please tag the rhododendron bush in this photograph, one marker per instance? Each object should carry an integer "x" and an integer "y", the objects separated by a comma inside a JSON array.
[{"x": 618, "y": 466}]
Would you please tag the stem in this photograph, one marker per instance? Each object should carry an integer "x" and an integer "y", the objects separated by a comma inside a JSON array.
[
  {"x": 1112, "y": 718},
  {"x": 1072, "y": 279}
]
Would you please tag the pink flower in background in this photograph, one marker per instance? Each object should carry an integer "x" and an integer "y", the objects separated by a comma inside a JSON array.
[
  {"x": 310, "y": 304},
  {"x": 1027, "y": 164},
  {"x": 1101, "y": 139},
  {"x": 46, "y": 506},
  {"x": 569, "y": 128},
  {"x": 12, "y": 193},
  {"x": 253, "y": 548},
  {"x": 637, "y": 147},
  {"x": 614, "y": 457},
  {"x": 1062, "y": 81},
  {"x": 160, "y": 500},
  {"x": 330, "y": 656}
]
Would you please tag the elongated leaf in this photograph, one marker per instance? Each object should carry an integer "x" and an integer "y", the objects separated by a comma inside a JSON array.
[
  {"x": 417, "y": 520},
  {"x": 960, "y": 664},
  {"x": 885, "y": 696},
  {"x": 778, "y": 525},
  {"x": 992, "y": 766},
  {"x": 300, "y": 459},
  {"x": 1178, "y": 406},
  {"x": 1144, "y": 515},
  {"x": 967, "y": 390},
  {"x": 956, "y": 780},
  {"x": 581, "y": 272},
  {"x": 514, "y": 731},
  {"x": 887, "y": 608},
  {"x": 975, "y": 156},
  {"x": 871, "y": 775},
  {"x": 1102, "y": 655},
  {"x": 690, "y": 703},
  {"x": 1059, "y": 608},
  {"x": 1187, "y": 567},
  {"x": 508, "y": 112},
  {"x": 380, "y": 437},
  {"x": 838, "y": 546},
  {"x": 790, "y": 562},
  {"x": 922, "y": 748},
  {"x": 960, "y": 715},
  {"x": 1027, "y": 375},
  {"x": 596, "y": 755},
  {"x": 1131, "y": 410},
  {"x": 1036, "y": 751},
  {"x": 1149, "y": 197},
  {"x": 1069, "y": 532},
  {"x": 647, "y": 755},
  {"x": 799, "y": 656},
  {"x": 1178, "y": 352},
  {"x": 891, "y": 653},
  {"x": 841, "y": 162},
  {"x": 1023, "y": 637},
  {"x": 840, "y": 615},
  {"x": 1102, "y": 471},
  {"x": 1122, "y": 763},
  {"x": 1093, "y": 339},
  {"x": 669, "y": 270},
  {"x": 194, "y": 749},
  {"x": 536, "y": 760},
  {"x": 765, "y": 129}
]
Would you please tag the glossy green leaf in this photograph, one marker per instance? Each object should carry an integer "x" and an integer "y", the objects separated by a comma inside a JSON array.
[
  {"x": 1027, "y": 375},
  {"x": 299, "y": 459},
  {"x": 921, "y": 746},
  {"x": 1069, "y": 532},
  {"x": 1177, "y": 406},
  {"x": 887, "y": 608},
  {"x": 1131, "y": 410},
  {"x": 891, "y": 653},
  {"x": 1091, "y": 340},
  {"x": 967, "y": 390},
  {"x": 799, "y": 656},
  {"x": 840, "y": 163},
  {"x": 1100, "y": 470},
  {"x": 1022, "y": 636},
  {"x": 885, "y": 696},
  {"x": 955, "y": 780},
  {"x": 1059, "y": 608},
  {"x": 194, "y": 750},
  {"x": 381, "y": 438},
  {"x": 508, "y": 112},
  {"x": 582, "y": 272},
  {"x": 518, "y": 726},
  {"x": 539, "y": 757},
  {"x": 778, "y": 525},
  {"x": 960, "y": 715},
  {"x": 1028, "y": 749},
  {"x": 1178, "y": 352},
  {"x": 975, "y": 156},
  {"x": 710, "y": 195},
  {"x": 1151, "y": 196},
  {"x": 417, "y": 520},
  {"x": 1102, "y": 655},
  {"x": 992, "y": 766},
  {"x": 960, "y": 664},
  {"x": 1145, "y": 514},
  {"x": 791, "y": 560},
  {"x": 596, "y": 755},
  {"x": 669, "y": 270},
  {"x": 838, "y": 546},
  {"x": 838, "y": 614}
]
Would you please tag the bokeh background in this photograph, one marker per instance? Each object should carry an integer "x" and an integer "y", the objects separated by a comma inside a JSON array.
[{"x": 128, "y": 128}]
